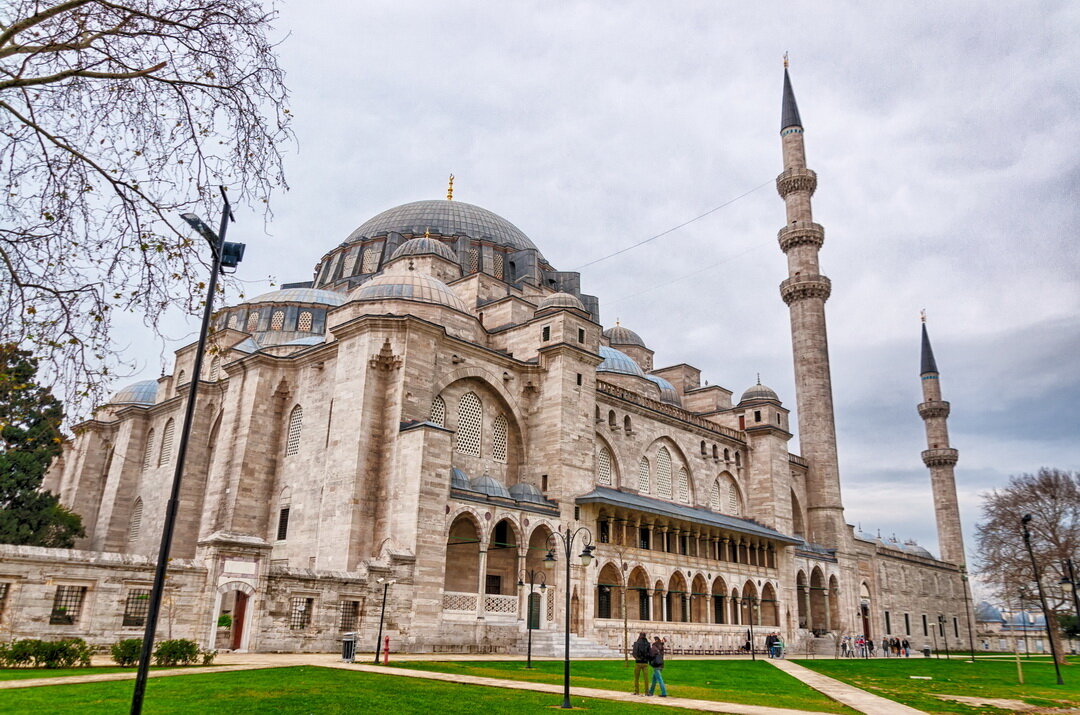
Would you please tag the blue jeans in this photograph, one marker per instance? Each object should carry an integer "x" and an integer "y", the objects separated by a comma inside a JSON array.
[{"x": 657, "y": 678}]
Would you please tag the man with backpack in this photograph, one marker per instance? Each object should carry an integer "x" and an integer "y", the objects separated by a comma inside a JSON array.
[
  {"x": 641, "y": 661},
  {"x": 656, "y": 660}
]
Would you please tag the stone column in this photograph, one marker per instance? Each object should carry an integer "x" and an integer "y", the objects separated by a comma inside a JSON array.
[
  {"x": 809, "y": 610},
  {"x": 828, "y": 615},
  {"x": 481, "y": 587}
]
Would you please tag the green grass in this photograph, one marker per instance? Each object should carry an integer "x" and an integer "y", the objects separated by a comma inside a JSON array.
[
  {"x": 733, "y": 681},
  {"x": 304, "y": 689},
  {"x": 984, "y": 678},
  {"x": 29, "y": 673}
]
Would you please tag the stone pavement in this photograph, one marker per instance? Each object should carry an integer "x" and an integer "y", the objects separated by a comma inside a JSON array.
[{"x": 849, "y": 695}]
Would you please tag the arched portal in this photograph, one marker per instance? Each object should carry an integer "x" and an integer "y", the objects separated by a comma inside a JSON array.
[
  {"x": 678, "y": 598},
  {"x": 818, "y": 613},
  {"x": 462, "y": 567},
  {"x": 660, "y": 603},
  {"x": 802, "y": 598},
  {"x": 719, "y": 601},
  {"x": 609, "y": 592},
  {"x": 751, "y": 612},
  {"x": 699, "y": 600},
  {"x": 502, "y": 559},
  {"x": 637, "y": 597},
  {"x": 234, "y": 601},
  {"x": 770, "y": 607},
  {"x": 864, "y": 609}
]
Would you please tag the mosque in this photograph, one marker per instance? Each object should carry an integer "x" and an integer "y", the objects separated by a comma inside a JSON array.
[{"x": 417, "y": 422}]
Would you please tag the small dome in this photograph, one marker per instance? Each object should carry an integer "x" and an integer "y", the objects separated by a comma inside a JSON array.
[
  {"x": 623, "y": 336},
  {"x": 409, "y": 286},
  {"x": 139, "y": 393},
  {"x": 615, "y": 361},
  {"x": 986, "y": 612},
  {"x": 668, "y": 393},
  {"x": 424, "y": 246},
  {"x": 458, "y": 480},
  {"x": 523, "y": 491},
  {"x": 490, "y": 486},
  {"x": 299, "y": 295},
  {"x": 309, "y": 340},
  {"x": 912, "y": 548},
  {"x": 560, "y": 300},
  {"x": 759, "y": 392}
]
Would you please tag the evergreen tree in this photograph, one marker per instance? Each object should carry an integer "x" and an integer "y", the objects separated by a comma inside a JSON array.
[{"x": 30, "y": 439}]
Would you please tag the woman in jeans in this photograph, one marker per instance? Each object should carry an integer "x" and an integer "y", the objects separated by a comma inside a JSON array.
[{"x": 656, "y": 660}]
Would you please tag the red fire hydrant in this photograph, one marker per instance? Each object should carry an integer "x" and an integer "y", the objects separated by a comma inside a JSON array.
[{"x": 386, "y": 650}]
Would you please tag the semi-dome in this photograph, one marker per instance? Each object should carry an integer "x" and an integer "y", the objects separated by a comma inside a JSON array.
[
  {"x": 759, "y": 392},
  {"x": 668, "y": 393},
  {"x": 424, "y": 246},
  {"x": 299, "y": 295},
  {"x": 143, "y": 392},
  {"x": 619, "y": 362},
  {"x": 523, "y": 491},
  {"x": 623, "y": 336},
  {"x": 409, "y": 286},
  {"x": 560, "y": 300},
  {"x": 490, "y": 486},
  {"x": 459, "y": 480},
  {"x": 449, "y": 218}
]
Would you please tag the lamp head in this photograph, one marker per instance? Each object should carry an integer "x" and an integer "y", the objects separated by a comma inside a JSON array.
[
  {"x": 1026, "y": 519},
  {"x": 586, "y": 555},
  {"x": 201, "y": 228},
  {"x": 549, "y": 559},
  {"x": 521, "y": 583}
]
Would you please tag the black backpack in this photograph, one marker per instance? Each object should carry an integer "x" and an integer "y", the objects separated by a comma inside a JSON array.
[{"x": 641, "y": 651}]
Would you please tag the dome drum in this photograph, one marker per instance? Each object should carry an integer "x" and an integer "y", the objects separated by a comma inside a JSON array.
[{"x": 143, "y": 392}]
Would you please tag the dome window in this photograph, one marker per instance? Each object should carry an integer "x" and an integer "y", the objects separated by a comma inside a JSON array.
[
  {"x": 253, "y": 321},
  {"x": 370, "y": 263},
  {"x": 500, "y": 265},
  {"x": 234, "y": 320},
  {"x": 474, "y": 259},
  {"x": 303, "y": 324},
  {"x": 470, "y": 416},
  {"x": 277, "y": 322},
  {"x": 296, "y": 426}
]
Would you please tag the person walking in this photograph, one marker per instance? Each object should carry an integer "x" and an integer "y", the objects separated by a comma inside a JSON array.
[
  {"x": 656, "y": 660},
  {"x": 906, "y": 648},
  {"x": 641, "y": 662},
  {"x": 769, "y": 641}
]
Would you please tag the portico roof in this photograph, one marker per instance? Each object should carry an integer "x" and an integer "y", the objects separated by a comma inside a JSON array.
[{"x": 706, "y": 517}]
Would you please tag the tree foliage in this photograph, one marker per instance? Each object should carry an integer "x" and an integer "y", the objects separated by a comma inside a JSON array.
[
  {"x": 30, "y": 439},
  {"x": 116, "y": 115}
]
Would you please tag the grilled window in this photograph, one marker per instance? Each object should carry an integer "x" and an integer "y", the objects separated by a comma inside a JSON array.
[
  {"x": 474, "y": 260},
  {"x": 370, "y": 263},
  {"x": 296, "y": 425},
  {"x": 277, "y": 321},
  {"x": 303, "y": 324},
  {"x": 234, "y": 320},
  {"x": 643, "y": 476},
  {"x": 136, "y": 607},
  {"x": 166, "y": 443},
  {"x": 148, "y": 453},
  {"x": 253, "y": 321},
  {"x": 300, "y": 609},
  {"x": 283, "y": 523},
  {"x": 714, "y": 496},
  {"x": 498, "y": 439},
  {"x": 663, "y": 473},
  {"x": 684, "y": 485},
  {"x": 136, "y": 521},
  {"x": 349, "y": 616},
  {"x": 500, "y": 265},
  {"x": 733, "y": 498},
  {"x": 67, "y": 604},
  {"x": 438, "y": 412},
  {"x": 181, "y": 378},
  {"x": 470, "y": 417},
  {"x": 603, "y": 467}
]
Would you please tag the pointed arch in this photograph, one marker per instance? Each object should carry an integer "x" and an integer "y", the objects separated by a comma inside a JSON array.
[
  {"x": 644, "y": 476},
  {"x": 498, "y": 439},
  {"x": 603, "y": 466},
  {"x": 683, "y": 483},
  {"x": 470, "y": 424},
  {"x": 462, "y": 566},
  {"x": 609, "y": 592},
  {"x": 135, "y": 523},
  {"x": 165, "y": 455},
  {"x": 296, "y": 426},
  {"x": 637, "y": 597},
  {"x": 663, "y": 473},
  {"x": 438, "y": 411},
  {"x": 728, "y": 491},
  {"x": 770, "y": 607},
  {"x": 714, "y": 495},
  {"x": 798, "y": 527},
  {"x": 148, "y": 452}
]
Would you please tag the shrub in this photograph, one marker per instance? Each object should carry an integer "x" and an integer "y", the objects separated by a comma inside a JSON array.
[
  {"x": 66, "y": 653},
  {"x": 176, "y": 652},
  {"x": 208, "y": 656},
  {"x": 21, "y": 653},
  {"x": 126, "y": 652}
]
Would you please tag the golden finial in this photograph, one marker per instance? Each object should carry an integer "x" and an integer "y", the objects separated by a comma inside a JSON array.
[
  {"x": 617, "y": 322},
  {"x": 450, "y": 189},
  {"x": 922, "y": 315},
  {"x": 427, "y": 233}
]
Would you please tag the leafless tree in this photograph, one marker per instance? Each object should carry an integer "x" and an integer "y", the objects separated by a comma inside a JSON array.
[{"x": 115, "y": 116}]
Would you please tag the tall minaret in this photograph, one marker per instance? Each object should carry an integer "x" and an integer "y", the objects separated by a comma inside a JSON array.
[
  {"x": 940, "y": 458},
  {"x": 805, "y": 292}
]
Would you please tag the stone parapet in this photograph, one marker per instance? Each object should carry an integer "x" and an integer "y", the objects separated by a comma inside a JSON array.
[
  {"x": 799, "y": 288},
  {"x": 945, "y": 457},
  {"x": 796, "y": 179},
  {"x": 934, "y": 408},
  {"x": 801, "y": 233}
]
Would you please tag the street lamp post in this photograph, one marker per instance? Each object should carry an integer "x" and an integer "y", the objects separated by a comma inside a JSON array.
[
  {"x": 944, "y": 635},
  {"x": 1023, "y": 616},
  {"x": 223, "y": 255},
  {"x": 967, "y": 609},
  {"x": 753, "y": 613},
  {"x": 1068, "y": 584},
  {"x": 1042, "y": 596},
  {"x": 535, "y": 577},
  {"x": 386, "y": 583},
  {"x": 567, "y": 541}
]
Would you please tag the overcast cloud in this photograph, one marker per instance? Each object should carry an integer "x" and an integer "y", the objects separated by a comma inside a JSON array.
[{"x": 945, "y": 140}]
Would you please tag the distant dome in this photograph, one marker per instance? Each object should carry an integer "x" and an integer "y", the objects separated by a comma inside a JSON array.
[
  {"x": 668, "y": 393},
  {"x": 615, "y": 361},
  {"x": 759, "y": 392},
  {"x": 913, "y": 548},
  {"x": 490, "y": 486},
  {"x": 448, "y": 218},
  {"x": 424, "y": 246},
  {"x": 523, "y": 491},
  {"x": 143, "y": 392},
  {"x": 623, "y": 336},
  {"x": 299, "y": 295},
  {"x": 409, "y": 286},
  {"x": 986, "y": 612},
  {"x": 560, "y": 300}
]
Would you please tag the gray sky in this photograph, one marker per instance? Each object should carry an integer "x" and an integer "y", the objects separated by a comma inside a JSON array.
[{"x": 945, "y": 140}]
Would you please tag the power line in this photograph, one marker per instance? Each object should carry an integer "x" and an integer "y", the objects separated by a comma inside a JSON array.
[{"x": 689, "y": 275}]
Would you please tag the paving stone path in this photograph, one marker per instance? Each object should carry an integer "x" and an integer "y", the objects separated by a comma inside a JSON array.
[{"x": 841, "y": 692}]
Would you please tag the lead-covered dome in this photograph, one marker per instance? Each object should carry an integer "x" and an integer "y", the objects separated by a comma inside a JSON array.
[
  {"x": 759, "y": 392},
  {"x": 448, "y": 218},
  {"x": 618, "y": 362},
  {"x": 409, "y": 286},
  {"x": 143, "y": 392},
  {"x": 424, "y": 246},
  {"x": 298, "y": 295},
  {"x": 623, "y": 336},
  {"x": 560, "y": 300},
  {"x": 668, "y": 393}
]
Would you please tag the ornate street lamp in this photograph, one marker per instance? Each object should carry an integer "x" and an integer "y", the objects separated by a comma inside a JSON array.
[
  {"x": 1042, "y": 596},
  {"x": 535, "y": 578},
  {"x": 566, "y": 540}
]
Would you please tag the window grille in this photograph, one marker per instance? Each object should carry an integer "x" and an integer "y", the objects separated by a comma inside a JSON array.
[
  {"x": 733, "y": 498},
  {"x": 277, "y": 321},
  {"x": 350, "y": 616},
  {"x": 136, "y": 521},
  {"x": 253, "y": 321},
  {"x": 684, "y": 485},
  {"x": 500, "y": 265},
  {"x": 234, "y": 320},
  {"x": 470, "y": 416},
  {"x": 166, "y": 443},
  {"x": 148, "y": 453},
  {"x": 296, "y": 424},
  {"x": 67, "y": 603},
  {"x": 714, "y": 497},
  {"x": 474, "y": 260},
  {"x": 283, "y": 523},
  {"x": 643, "y": 476},
  {"x": 215, "y": 368},
  {"x": 663, "y": 473},
  {"x": 438, "y": 412},
  {"x": 603, "y": 467},
  {"x": 370, "y": 264},
  {"x": 498, "y": 439},
  {"x": 304, "y": 322},
  {"x": 350, "y": 263},
  {"x": 136, "y": 607},
  {"x": 300, "y": 609}
]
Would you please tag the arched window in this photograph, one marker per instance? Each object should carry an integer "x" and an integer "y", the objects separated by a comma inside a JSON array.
[
  {"x": 684, "y": 485},
  {"x": 136, "y": 521},
  {"x": 732, "y": 498},
  {"x": 612, "y": 421},
  {"x": 603, "y": 467},
  {"x": 296, "y": 425},
  {"x": 181, "y": 378},
  {"x": 470, "y": 418},
  {"x": 643, "y": 476},
  {"x": 727, "y": 454},
  {"x": 215, "y": 368},
  {"x": 626, "y": 425},
  {"x": 370, "y": 262},
  {"x": 277, "y": 321},
  {"x": 148, "y": 453},
  {"x": 253, "y": 321},
  {"x": 303, "y": 324},
  {"x": 738, "y": 459},
  {"x": 166, "y": 443},
  {"x": 663, "y": 473},
  {"x": 703, "y": 448},
  {"x": 715, "y": 452},
  {"x": 234, "y": 320},
  {"x": 714, "y": 496},
  {"x": 498, "y": 439},
  {"x": 438, "y": 412}
]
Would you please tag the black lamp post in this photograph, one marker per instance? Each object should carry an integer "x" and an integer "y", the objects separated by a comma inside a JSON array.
[
  {"x": 753, "y": 611},
  {"x": 967, "y": 609},
  {"x": 1068, "y": 584},
  {"x": 1023, "y": 615},
  {"x": 1042, "y": 596},
  {"x": 944, "y": 635},
  {"x": 386, "y": 583},
  {"x": 535, "y": 578},
  {"x": 223, "y": 255},
  {"x": 566, "y": 540}
]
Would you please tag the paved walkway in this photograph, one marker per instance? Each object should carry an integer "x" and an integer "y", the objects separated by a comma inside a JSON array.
[{"x": 849, "y": 695}]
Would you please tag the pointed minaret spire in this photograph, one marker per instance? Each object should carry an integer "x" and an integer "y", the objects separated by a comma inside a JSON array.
[
  {"x": 929, "y": 365},
  {"x": 789, "y": 114}
]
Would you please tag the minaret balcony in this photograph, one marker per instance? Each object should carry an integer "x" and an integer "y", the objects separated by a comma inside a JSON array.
[
  {"x": 796, "y": 179},
  {"x": 946, "y": 457},
  {"x": 934, "y": 408},
  {"x": 801, "y": 233},
  {"x": 802, "y": 287}
]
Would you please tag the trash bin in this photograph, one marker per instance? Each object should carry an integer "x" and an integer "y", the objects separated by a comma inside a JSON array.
[
  {"x": 348, "y": 647},
  {"x": 926, "y": 651}
]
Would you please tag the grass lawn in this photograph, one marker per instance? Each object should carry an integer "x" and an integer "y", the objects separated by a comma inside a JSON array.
[
  {"x": 30, "y": 673},
  {"x": 733, "y": 681},
  {"x": 984, "y": 678},
  {"x": 305, "y": 689}
]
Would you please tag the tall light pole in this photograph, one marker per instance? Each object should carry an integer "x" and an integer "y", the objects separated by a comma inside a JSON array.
[
  {"x": 386, "y": 584},
  {"x": 1068, "y": 584},
  {"x": 967, "y": 609},
  {"x": 1023, "y": 615},
  {"x": 566, "y": 540},
  {"x": 1042, "y": 596},
  {"x": 535, "y": 578},
  {"x": 223, "y": 255},
  {"x": 944, "y": 635}
]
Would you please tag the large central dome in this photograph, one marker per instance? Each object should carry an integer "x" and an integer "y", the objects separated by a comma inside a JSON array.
[{"x": 447, "y": 218}]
